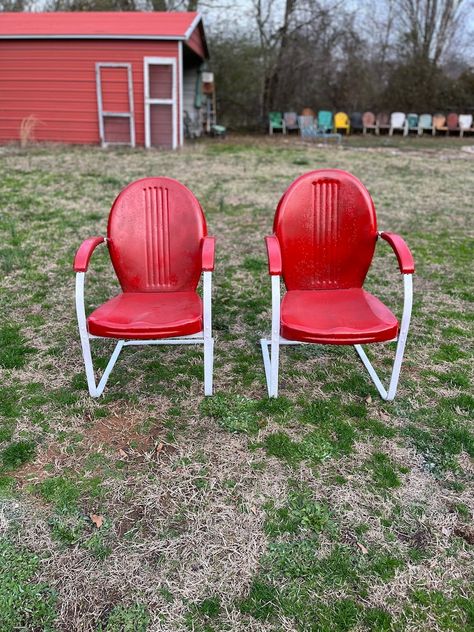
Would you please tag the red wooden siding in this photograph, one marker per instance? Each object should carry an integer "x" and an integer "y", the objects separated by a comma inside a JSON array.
[
  {"x": 197, "y": 42},
  {"x": 55, "y": 81}
]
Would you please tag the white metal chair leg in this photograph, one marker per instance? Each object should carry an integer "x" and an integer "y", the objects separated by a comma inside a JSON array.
[
  {"x": 208, "y": 365},
  {"x": 266, "y": 364},
  {"x": 402, "y": 339},
  {"x": 109, "y": 367},
  {"x": 271, "y": 362},
  {"x": 94, "y": 390},
  {"x": 208, "y": 339},
  {"x": 275, "y": 360}
]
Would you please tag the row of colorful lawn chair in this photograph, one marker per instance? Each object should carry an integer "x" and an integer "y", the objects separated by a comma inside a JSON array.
[{"x": 309, "y": 125}]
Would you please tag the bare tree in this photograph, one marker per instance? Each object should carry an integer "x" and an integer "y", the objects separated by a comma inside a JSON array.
[
  {"x": 15, "y": 5},
  {"x": 428, "y": 27}
]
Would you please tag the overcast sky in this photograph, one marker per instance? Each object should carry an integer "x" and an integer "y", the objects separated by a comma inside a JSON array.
[{"x": 237, "y": 14}]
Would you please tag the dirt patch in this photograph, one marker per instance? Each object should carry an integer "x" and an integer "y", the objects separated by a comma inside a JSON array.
[
  {"x": 121, "y": 435},
  {"x": 465, "y": 532}
]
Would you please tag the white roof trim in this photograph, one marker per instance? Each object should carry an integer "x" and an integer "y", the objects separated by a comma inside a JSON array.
[{"x": 192, "y": 26}]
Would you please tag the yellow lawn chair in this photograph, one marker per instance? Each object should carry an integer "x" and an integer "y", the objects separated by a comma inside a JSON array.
[{"x": 342, "y": 121}]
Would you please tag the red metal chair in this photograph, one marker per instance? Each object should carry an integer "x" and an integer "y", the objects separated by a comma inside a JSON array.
[
  {"x": 325, "y": 231},
  {"x": 158, "y": 244}
]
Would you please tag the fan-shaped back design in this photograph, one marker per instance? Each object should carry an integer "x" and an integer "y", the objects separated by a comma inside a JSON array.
[
  {"x": 325, "y": 120},
  {"x": 290, "y": 118},
  {"x": 383, "y": 119},
  {"x": 341, "y": 119},
  {"x": 412, "y": 120},
  {"x": 397, "y": 119},
  {"x": 426, "y": 121},
  {"x": 155, "y": 230},
  {"x": 368, "y": 118},
  {"x": 327, "y": 229},
  {"x": 465, "y": 121},
  {"x": 439, "y": 121},
  {"x": 452, "y": 120},
  {"x": 356, "y": 120}
]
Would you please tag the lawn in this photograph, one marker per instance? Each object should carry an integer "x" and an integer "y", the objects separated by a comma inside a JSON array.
[{"x": 152, "y": 508}]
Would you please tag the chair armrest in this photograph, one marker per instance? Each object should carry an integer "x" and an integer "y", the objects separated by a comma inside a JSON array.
[
  {"x": 84, "y": 253},
  {"x": 208, "y": 250},
  {"x": 274, "y": 255},
  {"x": 404, "y": 256}
]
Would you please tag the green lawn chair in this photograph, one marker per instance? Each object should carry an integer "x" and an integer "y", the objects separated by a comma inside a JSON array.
[
  {"x": 325, "y": 121},
  {"x": 275, "y": 122}
]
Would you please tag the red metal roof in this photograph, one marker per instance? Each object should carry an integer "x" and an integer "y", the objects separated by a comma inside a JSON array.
[{"x": 97, "y": 24}]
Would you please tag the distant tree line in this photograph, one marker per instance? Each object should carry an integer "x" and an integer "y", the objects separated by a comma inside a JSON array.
[{"x": 408, "y": 55}]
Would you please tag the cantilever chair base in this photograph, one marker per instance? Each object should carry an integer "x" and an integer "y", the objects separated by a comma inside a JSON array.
[
  {"x": 204, "y": 337},
  {"x": 271, "y": 358}
]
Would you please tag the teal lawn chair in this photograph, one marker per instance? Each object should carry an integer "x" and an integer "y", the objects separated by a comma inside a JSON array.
[
  {"x": 411, "y": 123},
  {"x": 324, "y": 121},
  {"x": 275, "y": 122},
  {"x": 425, "y": 124}
]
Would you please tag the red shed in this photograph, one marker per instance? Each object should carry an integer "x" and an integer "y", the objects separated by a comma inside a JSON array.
[{"x": 109, "y": 78}]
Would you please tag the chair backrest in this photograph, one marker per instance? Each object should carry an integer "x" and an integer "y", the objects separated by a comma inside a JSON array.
[
  {"x": 356, "y": 120},
  {"x": 465, "y": 121},
  {"x": 327, "y": 229},
  {"x": 383, "y": 119},
  {"x": 291, "y": 119},
  {"x": 155, "y": 232},
  {"x": 324, "y": 120},
  {"x": 452, "y": 120},
  {"x": 308, "y": 127},
  {"x": 425, "y": 121},
  {"x": 397, "y": 119},
  {"x": 305, "y": 121},
  {"x": 412, "y": 120},
  {"x": 275, "y": 119},
  {"x": 439, "y": 120},
  {"x": 341, "y": 119},
  {"x": 368, "y": 119}
]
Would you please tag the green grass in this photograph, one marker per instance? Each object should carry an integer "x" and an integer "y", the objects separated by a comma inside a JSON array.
[
  {"x": 384, "y": 474},
  {"x": 25, "y": 603},
  {"x": 234, "y": 413},
  {"x": 16, "y": 454},
  {"x": 14, "y": 349},
  {"x": 294, "y": 578},
  {"x": 134, "y": 618}
]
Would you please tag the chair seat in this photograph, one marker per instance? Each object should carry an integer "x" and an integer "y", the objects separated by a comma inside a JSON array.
[
  {"x": 148, "y": 315},
  {"x": 341, "y": 317}
]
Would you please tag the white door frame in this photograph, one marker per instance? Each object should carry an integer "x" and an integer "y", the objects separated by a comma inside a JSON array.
[
  {"x": 160, "y": 61},
  {"x": 102, "y": 114}
]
